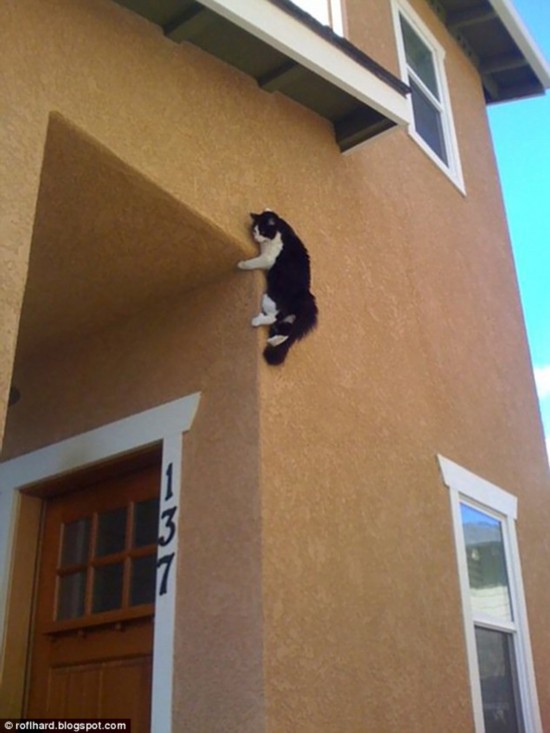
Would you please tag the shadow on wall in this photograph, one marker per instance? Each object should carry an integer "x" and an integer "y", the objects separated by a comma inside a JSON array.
[{"x": 131, "y": 297}]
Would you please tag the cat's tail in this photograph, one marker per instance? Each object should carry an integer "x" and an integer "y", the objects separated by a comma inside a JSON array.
[{"x": 291, "y": 329}]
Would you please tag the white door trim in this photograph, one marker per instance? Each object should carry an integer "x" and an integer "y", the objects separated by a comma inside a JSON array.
[{"x": 164, "y": 424}]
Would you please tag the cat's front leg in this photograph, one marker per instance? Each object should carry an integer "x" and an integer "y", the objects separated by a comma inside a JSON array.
[{"x": 256, "y": 263}]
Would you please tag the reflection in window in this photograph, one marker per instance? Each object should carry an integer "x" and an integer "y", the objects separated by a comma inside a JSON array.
[
  {"x": 71, "y": 596},
  {"x": 492, "y": 615},
  {"x": 427, "y": 122},
  {"x": 76, "y": 540},
  {"x": 486, "y": 563},
  {"x": 497, "y": 672},
  {"x": 419, "y": 57},
  {"x": 107, "y": 560},
  {"x": 422, "y": 64},
  {"x": 502, "y": 675},
  {"x": 425, "y": 95}
]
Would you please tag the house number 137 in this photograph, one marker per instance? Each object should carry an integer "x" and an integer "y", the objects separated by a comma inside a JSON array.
[{"x": 168, "y": 531}]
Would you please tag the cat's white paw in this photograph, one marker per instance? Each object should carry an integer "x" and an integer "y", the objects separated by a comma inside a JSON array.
[
  {"x": 242, "y": 265},
  {"x": 277, "y": 340},
  {"x": 263, "y": 319}
]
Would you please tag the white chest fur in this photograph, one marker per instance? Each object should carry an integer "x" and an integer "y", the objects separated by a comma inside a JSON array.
[{"x": 271, "y": 249}]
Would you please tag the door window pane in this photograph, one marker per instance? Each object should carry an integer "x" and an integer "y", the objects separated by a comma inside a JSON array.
[
  {"x": 142, "y": 587},
  {"x": 489, "y": 587},
  {"x": 76, "y": 540},
  {"x": 111, "y": 532},
  {"x": 419, "y": 57},
  {"x": 427, "y": 121},
  {"x": 146, "y": 521},
  {"x": 497, "y": 670},
  {"x": 71, "y": 595},
  {"x": 107, "y": 593}
]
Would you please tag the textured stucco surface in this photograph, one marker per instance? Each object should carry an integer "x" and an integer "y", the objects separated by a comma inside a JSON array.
[
  {"x": 177, "y": 347},
  {"x": 318, "y": 575}
]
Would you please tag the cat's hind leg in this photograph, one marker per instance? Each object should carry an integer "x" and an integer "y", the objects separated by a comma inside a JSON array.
[
  {"x": 268, "y": 313},
  {"x": 277, "y": 340}
]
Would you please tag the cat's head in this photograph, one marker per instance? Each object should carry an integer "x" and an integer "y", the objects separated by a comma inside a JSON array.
[{"x": 265, "y": 226}]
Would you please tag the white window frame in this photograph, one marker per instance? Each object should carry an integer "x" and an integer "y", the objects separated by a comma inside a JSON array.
[
  {"x": 453, "y": 169},
  {"x": 336, "y": 11},
  {"x": 335, "y": 14},
  {"x": 468, "y": 488}
]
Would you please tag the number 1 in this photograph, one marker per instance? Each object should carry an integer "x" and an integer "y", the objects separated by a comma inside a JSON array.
[{"x": 169, "y": 492}]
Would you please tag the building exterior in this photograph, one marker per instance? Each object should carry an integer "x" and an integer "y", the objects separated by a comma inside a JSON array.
[{"x": 356, "y": 541}]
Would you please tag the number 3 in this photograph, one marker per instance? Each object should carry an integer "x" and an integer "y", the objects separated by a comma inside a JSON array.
[{"x": 168, "y": 516}]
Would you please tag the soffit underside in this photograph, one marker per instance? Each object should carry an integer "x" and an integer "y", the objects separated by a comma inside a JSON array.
[
  {"x": 353, "y": 120},
  {"x": 505, "y": 69},
  {"x": 107, "y": 244}
]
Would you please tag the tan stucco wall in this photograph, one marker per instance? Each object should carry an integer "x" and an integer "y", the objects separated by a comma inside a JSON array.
[
  {"x": 176, "y": 348},
  {"x": 329, "y": 461}
]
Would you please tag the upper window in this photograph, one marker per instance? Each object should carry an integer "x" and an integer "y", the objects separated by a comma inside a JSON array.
[
  {"x": 422, "y": 67},
  {"x": 495, "y": 618},
  {"x": 328, "y": 12}
]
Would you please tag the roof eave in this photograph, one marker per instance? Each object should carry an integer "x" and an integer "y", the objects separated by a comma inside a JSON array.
[
  {"x": 525, "y": 42},
  {"x": 273, "y": 24}
]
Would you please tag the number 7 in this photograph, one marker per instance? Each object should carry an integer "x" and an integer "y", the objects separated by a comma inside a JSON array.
[{"x": 166, "y": 560}]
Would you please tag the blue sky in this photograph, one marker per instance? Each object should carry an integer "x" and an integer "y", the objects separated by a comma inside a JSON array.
[{"x": 521, "y": 134}]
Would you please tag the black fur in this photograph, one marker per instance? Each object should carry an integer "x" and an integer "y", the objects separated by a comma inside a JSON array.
[{"x": 288, "y": 285}]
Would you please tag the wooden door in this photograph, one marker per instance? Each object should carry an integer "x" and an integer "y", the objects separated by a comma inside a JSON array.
[{"x": 93, "y": 630}]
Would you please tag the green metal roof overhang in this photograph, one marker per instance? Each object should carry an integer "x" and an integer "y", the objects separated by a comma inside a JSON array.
[{"x": 286, "y": 50}]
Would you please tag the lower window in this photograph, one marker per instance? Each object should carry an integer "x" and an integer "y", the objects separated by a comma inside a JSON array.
[
  {"x": 495, "y": 618},
  {"x": 499, "y": 684}
]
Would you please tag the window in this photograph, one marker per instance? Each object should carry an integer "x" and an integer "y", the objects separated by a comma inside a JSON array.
[
  {"x": 421, "y": 60},
  {"x": 328, "y": 12},
  {"x": 107, "y": 560},
  {"x": 495, "y": 618}
]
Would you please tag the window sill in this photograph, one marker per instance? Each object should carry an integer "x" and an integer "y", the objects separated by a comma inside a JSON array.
[{"x": 454, "y": 175}]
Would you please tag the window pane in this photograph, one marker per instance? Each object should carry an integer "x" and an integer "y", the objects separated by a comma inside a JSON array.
[
  {"x": 142, "y": 588},
  {"x": 427, "y": 122},
  {"x": 111, "y": 532},
  {"x": 76, "y": 538},
  {"x": 489, "y": 590},
  {"x": 107, "y": 588},
  {"x": 146, "y": 520},
  {"x": 71, "y": 595},
  {"x": 419, "y": 57},
  {"x": 497, "y": 670},
  {"x": 319, "y": 9}
]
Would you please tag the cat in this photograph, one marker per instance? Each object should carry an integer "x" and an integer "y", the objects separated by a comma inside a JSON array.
[{"x": 288, "y": 307}]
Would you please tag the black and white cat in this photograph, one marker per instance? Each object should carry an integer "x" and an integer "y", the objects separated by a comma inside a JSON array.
[{"x": 288, "y": 307}]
